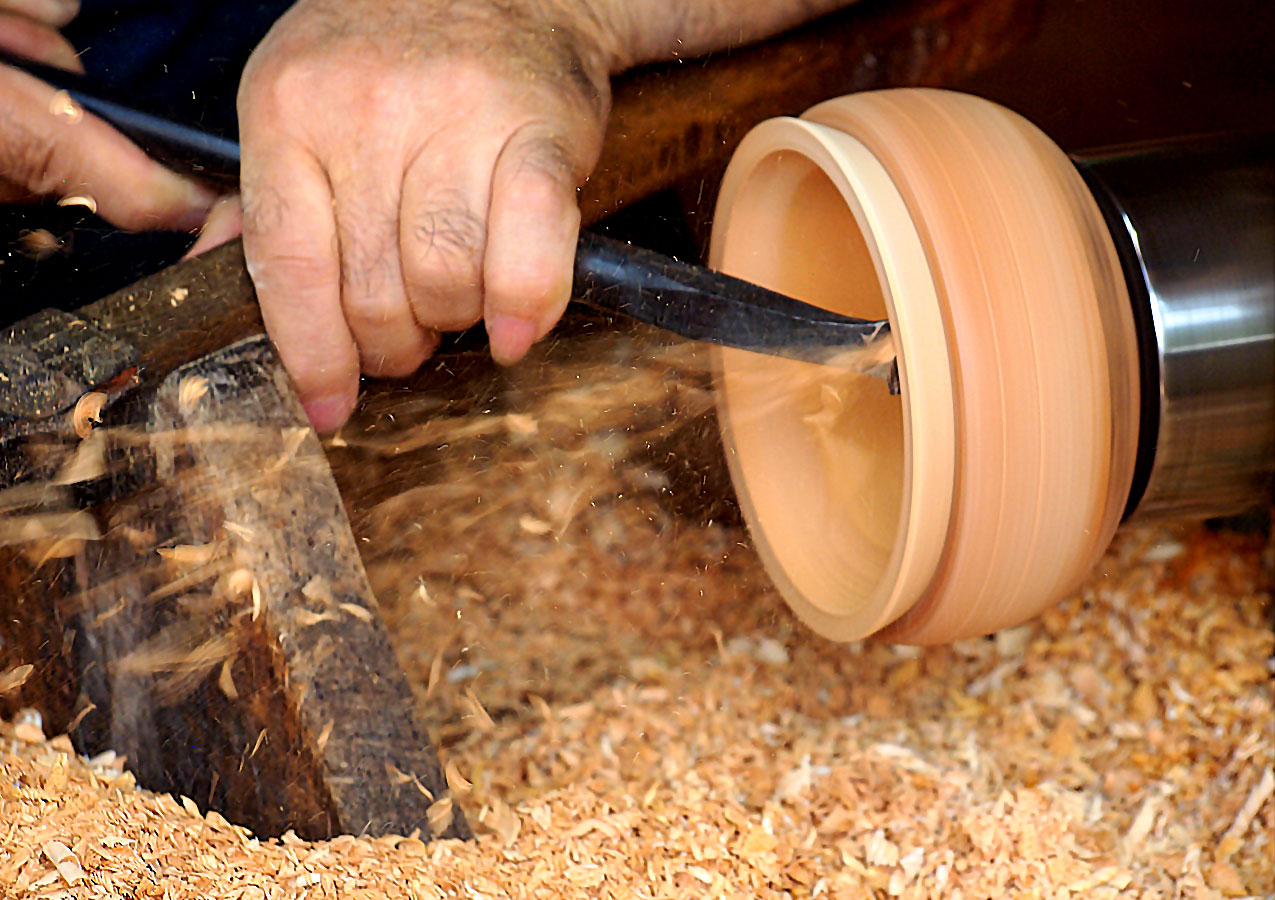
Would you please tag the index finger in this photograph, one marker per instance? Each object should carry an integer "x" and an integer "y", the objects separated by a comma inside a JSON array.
[
  {"x": 290, "y": 244},
  {"x": 54, "y": 13},
  {"x": 49, "y": 144}
]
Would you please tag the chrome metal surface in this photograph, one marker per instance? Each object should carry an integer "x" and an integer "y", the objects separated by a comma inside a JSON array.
[{"x": 1195, "y": 224}]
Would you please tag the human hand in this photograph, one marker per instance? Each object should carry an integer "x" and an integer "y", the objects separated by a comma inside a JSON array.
[
  {"x": 48, "y": 145},
  {"x": 410, "y": 168}
]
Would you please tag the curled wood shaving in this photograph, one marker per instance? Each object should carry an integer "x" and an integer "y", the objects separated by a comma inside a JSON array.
[
  {"x": 237, "y": 583},
  {"x": 362, "y": 613},
  {"x": 88, "y": 412},
  {"x": 79, "y": 200},
  {"x": 477, "y": 713},
  {"x": 532, "y": 525},
  {"x": 306, "y": 618},
  {"x": 456, "y": 781},
  {"x": 62, "y": 106},
  {"x": 13, "y": 679},
  {"x": 226, "y": 680},
  {"x": 66, "y": 863},
  {"x": 439, "y": 815},
  {"x": 191, "y": 390},
  {"x": 190, "y": 554}
]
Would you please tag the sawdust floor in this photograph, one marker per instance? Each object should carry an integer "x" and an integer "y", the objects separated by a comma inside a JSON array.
[{"x": 627, "y": 709}]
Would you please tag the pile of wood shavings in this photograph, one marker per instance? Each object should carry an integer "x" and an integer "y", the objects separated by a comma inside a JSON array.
[
  {"x": 626, "y": 709},
  {"x": 1119, "y": 747}
]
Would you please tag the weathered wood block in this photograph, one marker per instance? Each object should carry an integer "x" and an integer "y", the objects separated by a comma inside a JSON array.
[{"x": 219, "y": 630}]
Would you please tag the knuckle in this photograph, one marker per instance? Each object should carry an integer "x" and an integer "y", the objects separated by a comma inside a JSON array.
[
  {"x": 276, "y": 82},
  {"x": 283, "y": 272},
  {"x": 447, "y": 243},
  {"x": 442, "y": 266},
  {"x": 26, "y": 159},
  {"x": 544, "y": 161},
  {"x": 264, "y": 208}
]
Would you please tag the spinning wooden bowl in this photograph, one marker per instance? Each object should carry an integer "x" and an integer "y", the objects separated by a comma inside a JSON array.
[{"x": 1045, "y": 392}]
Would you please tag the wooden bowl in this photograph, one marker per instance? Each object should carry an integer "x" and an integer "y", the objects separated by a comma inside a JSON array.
[{"x": 991, "y": 484}]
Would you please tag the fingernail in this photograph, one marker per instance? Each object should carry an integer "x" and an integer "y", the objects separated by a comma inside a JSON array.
[
  {"x": 326, "y": 413},
  {"x": 510, "y": 337}
]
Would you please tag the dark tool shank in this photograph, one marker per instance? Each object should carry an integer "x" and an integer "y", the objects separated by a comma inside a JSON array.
[{"x": 704, "y": 305}]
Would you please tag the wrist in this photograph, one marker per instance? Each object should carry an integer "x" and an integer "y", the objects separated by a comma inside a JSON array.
[{"x": 609, "y": 28}]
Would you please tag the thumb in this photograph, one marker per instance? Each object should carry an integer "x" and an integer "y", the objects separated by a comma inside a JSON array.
[
  {"x": 49, "y": 145},
  {"x": 533, "y": 224},
  {"x": 224, "y": 223}
]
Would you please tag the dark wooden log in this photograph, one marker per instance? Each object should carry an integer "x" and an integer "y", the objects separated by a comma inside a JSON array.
[{"x": 219, "y": 630}]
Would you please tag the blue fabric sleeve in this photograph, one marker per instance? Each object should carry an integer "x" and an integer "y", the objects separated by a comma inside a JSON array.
[{"x": 181, "y": 58}]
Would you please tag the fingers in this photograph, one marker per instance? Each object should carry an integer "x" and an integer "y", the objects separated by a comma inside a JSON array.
[
  {"x": 390, "y": 339},
  {"x": 290, "y": 244},
  {"x": 49, "y": 145},
  {"x": 442, "y": 236},
  {"x": 35, "y": 39},
  {"x": 53, "y": 13},
  {"x": 224, "y": 223},
  {"x": 532, "y": 230}
]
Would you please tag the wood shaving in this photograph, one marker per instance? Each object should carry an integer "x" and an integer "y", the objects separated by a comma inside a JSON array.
[
  {"x": 439, "y": 814},
  {"x": 88, "y": 462},
  {"x": 62, "y": 106},
  {"x": 363, "y": 614},
  {"x": 88, "y": 412},
  {"x": 226, "y": 680},
  {"x": 79, "y": 200},
  {"x": 242, "y": 532},
  {"x": 190, "y": 554},
  {"x": 456, "y": 781},
  {"x": 238, "y": 583},
  {"x": 193, "y": 388},
  {"x": 64, "y": 861},
  {"x": 324, "y": 736},
  {"x": 532, "y": 525},
  {"x": 13, "y": 679}
]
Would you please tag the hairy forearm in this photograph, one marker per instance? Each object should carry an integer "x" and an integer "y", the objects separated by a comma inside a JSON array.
[{"x": 652, "y": 30}]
